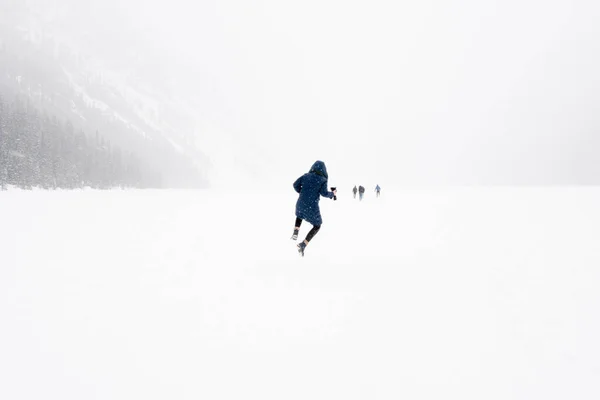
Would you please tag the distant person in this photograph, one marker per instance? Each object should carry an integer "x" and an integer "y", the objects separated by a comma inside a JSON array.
[
  {"x": 311, "y": 186},
  {"x": 354, "y": 191},
  {"x": 361, "y": 192},
  {"x": 377, "y": 190}
]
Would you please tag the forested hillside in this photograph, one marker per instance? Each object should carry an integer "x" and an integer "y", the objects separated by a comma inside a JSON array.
[
  {"x": 67, "y": 91},
  {"x": 38, "y": 150}
]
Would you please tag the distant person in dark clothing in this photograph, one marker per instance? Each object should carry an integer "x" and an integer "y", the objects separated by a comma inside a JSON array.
[
  {"x": 378, "y": 190},
  {"x": 311, "y": 186},
  {"x": 361, "y": 192},
  {"x": 354, "y": 191}
]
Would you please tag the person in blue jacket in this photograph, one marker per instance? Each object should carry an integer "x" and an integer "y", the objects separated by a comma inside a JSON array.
[{"x": 311, "y": 186}]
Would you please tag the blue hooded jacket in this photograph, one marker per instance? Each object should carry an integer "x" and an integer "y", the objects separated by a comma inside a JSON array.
[{"x": 311, "y": 186}]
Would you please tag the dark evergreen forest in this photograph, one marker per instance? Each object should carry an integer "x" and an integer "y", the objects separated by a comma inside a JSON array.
[{"x": 38, "y": 150}]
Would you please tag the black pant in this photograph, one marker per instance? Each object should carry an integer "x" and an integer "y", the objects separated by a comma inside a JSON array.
[{"x": 311, "y": 233}]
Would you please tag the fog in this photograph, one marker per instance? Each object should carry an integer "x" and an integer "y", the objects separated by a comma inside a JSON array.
[
  {"x": 112, "y": 292},
  {"x": 395, "y": 93}
]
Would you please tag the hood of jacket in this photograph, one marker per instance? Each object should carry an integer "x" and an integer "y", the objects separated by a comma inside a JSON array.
[{"x": 319, "y": 168}]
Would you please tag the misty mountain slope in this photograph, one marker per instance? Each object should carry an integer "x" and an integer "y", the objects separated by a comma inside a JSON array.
[
  {"x": 421, "y": 294},
  {"x": 393, "y": 91},
  {"x": 57, "y": 73}
]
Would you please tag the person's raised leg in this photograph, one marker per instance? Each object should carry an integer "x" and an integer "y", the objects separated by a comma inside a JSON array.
[{"x": 296, "y": 228}]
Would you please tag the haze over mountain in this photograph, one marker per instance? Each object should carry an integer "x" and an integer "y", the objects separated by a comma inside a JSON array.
[
  {"x": 421, "y": 293},
  {"x": 62, "y": 66},
  {"x": 462, "y": 92}
]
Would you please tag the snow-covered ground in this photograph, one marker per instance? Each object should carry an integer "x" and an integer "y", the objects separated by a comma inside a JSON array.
[{"x": 464, "y": 293}]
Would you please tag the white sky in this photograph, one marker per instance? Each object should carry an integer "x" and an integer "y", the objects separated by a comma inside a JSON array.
[{"x": 421, "y": 92}]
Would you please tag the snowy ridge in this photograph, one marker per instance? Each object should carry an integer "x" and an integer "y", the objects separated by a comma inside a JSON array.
[
  {"x": 80, "y": 91},
  {"x": 133, "y": 103}
]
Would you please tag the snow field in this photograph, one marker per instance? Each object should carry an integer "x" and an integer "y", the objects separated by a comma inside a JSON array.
[{"x": 456, "y": 293}]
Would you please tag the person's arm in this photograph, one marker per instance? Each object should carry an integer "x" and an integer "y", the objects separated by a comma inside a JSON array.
[
  {"x": 298, "y": 184},
  {"x": 324, "y": 192}
]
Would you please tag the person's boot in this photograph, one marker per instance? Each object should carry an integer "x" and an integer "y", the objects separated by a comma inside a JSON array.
[
  {"x": 295, "y": 235},
  {"x": 301, "y": 247}
]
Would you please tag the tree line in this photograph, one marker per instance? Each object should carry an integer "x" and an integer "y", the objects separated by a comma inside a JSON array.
[{"x": 37, "y": 150}]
